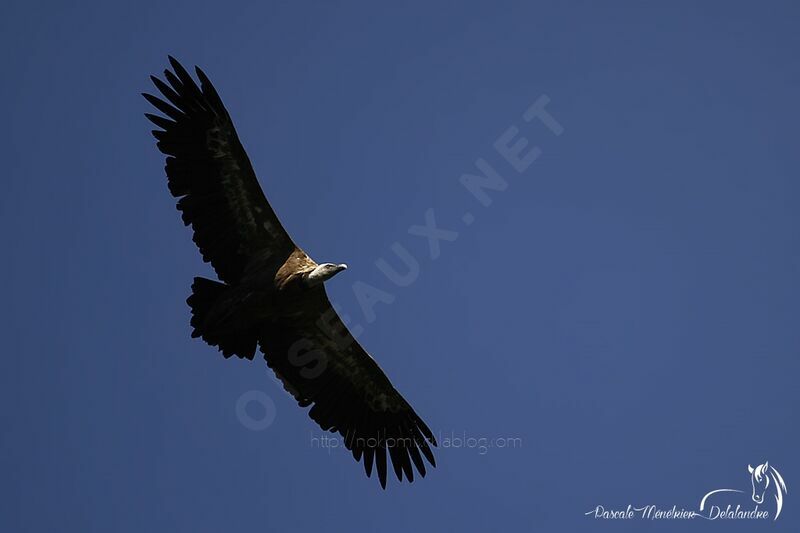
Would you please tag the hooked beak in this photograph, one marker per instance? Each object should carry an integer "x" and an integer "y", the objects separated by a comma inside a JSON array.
[{"x": 342, "y": 266}]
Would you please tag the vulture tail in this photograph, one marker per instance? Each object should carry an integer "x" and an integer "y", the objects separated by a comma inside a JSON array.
[{"x": 211, "y": 310}]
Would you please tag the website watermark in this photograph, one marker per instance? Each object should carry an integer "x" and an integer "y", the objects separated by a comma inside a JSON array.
[
  {"x": 511, "y": 155},
  {"x": 447, "y": 440}
]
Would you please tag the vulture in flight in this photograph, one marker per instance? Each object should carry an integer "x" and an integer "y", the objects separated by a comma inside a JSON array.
[{"x": 270, "y": 294}]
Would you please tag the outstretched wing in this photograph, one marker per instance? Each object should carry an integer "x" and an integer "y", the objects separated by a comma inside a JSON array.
[
  {"x": 322, "y": 365},
  {"x": 208, "y": 170}
]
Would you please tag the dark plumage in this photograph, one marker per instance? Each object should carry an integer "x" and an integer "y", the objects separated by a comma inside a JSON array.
[{"x": 271, "y": 294}]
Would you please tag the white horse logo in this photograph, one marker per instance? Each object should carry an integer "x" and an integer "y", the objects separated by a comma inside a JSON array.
[{"x": 763, "y": 478}]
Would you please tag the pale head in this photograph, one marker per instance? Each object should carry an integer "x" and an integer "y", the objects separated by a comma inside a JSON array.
[{"x": 324, "y": 272}]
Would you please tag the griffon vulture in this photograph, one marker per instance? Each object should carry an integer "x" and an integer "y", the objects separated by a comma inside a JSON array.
[{"x": 271, "y": 295}]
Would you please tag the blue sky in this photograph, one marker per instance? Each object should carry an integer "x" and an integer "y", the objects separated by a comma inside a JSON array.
[{"x": 625, "y": 311}]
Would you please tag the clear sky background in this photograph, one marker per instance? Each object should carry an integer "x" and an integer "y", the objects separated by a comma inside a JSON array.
[{"x": 627, "y": 308}]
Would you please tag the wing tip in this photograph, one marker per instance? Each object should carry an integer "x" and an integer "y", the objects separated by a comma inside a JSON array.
[{"x": 174, "y": 62}]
